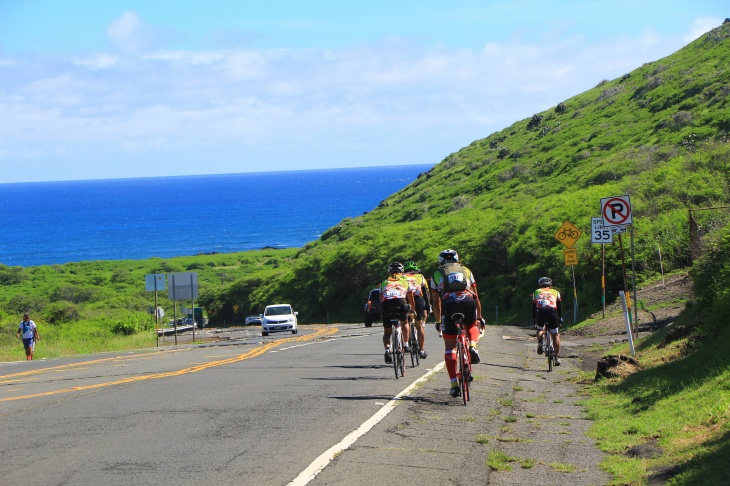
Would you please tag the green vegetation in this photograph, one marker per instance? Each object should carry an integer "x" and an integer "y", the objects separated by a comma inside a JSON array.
[
  {"x": 672, "y": 417},
  {"x": 88, "y": 307}
]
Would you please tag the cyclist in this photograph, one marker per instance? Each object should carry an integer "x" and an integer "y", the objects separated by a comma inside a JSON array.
[
  {"x": 453, "y": 289},
  {"x": 547, "y": 310},
  {"x": 396, "y": 301},
  {"x": 419, "y": 286}
]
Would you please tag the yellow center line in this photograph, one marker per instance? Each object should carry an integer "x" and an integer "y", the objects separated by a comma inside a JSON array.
[{"x": 319, "y": 332}]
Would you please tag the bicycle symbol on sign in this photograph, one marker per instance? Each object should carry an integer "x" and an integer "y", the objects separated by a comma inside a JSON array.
[{"x": 568, "y": 233}]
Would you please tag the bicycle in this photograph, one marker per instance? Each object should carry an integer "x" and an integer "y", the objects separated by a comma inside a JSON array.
[
  {"x": 396, "y": 349},
  {"x": 463, "y": 372},
  {"x": 413, "y": 342},
  {"x": 547, "y": 340}
]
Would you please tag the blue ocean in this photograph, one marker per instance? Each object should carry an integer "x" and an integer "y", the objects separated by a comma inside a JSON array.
[{"x": 133, "y": 219}]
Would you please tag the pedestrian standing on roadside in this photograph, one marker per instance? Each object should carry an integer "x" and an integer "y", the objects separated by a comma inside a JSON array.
[{"x": 29, "y": 333}]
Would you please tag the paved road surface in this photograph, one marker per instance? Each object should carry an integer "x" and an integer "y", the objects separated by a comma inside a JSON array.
[{"x": 256, "y": 410}]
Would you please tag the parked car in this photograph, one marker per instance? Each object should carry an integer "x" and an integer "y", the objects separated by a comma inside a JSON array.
[
  {"x": 278, "y": 317},
  {"x": 372, "y": 307},
  {"x": 253, "y": 321}
]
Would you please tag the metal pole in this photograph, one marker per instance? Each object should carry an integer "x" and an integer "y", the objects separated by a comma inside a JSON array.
[
  {"x": 157, "y": 317},
  {"x": 575, "y": 297},
  {"x": 661, "y": 265},
  {"x": 633, "y": 271},
  {"x": 192, "y": 296},
  {"x": 623, "y": 270},
  {"x": 603, "y": 279},
  {"x": 174, "y": 302}
]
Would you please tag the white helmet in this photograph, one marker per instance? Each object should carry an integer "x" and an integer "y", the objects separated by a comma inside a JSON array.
[{"x": 448, "y": 256}]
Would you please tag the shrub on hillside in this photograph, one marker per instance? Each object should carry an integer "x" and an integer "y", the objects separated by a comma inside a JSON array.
[
  {"x": 60, "y": 312},
  {"x": 711, "y": 271}
]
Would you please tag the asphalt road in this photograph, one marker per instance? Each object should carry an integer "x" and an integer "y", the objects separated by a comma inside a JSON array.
[{"x": 312, "y": 408}]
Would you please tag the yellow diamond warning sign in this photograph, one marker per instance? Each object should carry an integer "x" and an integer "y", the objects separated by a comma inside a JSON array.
[{"x": 568, "y": 234}]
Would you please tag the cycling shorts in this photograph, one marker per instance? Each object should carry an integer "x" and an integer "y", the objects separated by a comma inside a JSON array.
[
  {"x": 420, "y": 306},
  {"x": 394, "y": 309},
  {"x": 547, "y": 317},
  {"x": 466, "y": 306}
]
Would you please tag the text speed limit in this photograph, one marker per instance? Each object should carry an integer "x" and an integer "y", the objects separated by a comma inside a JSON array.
[{"x": 599, "y": 233}]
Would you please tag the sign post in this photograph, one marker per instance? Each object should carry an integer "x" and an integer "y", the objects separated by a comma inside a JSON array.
[
  {"x": 616, "y": 211},
  {"x": 155, "y": 282},
  {"x": 568, "y": 234},
  {"x": 183, "y": 286},
  {"x": 601, "y": 235}
]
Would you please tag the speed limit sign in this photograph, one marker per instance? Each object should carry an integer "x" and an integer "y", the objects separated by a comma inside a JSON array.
[{"x": 600, "y": 234}]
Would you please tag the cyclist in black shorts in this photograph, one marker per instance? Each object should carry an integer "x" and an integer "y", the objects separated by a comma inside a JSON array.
[
  {"x": 419, "y": 286},
  {"x": 547, "y": 311},
  {"x": 454, "y": 289},
  {"x": 396, "y": 301}
]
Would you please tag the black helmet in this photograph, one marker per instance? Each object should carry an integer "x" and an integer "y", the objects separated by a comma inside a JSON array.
[
  {"x": 448, "y": 256},
  {"x": 411, "y": 266},
  {"x": 544, "y": 282},
  {"x": 395, "y": 267}
]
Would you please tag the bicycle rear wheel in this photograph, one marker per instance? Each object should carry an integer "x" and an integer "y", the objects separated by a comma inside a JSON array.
[
  {"x": 462, "y": 375},
  {"x": 549, "y": 351},
  {"x": 415, "y": 349},
  {"x": 395, "y": 349}
]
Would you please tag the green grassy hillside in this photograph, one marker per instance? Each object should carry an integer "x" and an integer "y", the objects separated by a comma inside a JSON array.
[{"x": 658, "y": 134}]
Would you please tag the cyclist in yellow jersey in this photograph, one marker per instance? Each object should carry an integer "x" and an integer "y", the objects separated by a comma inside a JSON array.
[
  {"x": 547, "y": 311},
  {"x": 454, "y": 289},
  {"x": 419, "y": 286},
  {"x": 396, "y": 301}
]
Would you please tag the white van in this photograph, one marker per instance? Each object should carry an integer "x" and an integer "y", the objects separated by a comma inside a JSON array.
[{"x": 277, "y": 318}]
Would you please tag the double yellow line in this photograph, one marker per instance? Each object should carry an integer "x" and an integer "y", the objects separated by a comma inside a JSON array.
[{"x": 319, "y": 333}]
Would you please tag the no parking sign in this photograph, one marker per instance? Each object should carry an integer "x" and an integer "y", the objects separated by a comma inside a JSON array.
[{"x": 616, "y": 210}]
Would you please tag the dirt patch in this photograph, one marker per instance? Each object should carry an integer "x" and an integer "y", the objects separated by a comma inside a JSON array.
[{"x": 659, "y": 306}]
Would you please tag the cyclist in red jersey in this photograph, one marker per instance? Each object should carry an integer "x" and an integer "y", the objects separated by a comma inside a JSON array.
[
  {"x": 453, "y": 289},
  {"x": 396, "y": 301},
  {"x": 547, "y": 311},
  {"x": 419, "y": 286}
]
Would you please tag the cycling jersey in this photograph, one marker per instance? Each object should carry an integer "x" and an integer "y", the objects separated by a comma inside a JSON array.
[
  {"x": 546, "y": 298},
  {"x": 394, "y": 287},
  {"x": 437, "y": 283}
]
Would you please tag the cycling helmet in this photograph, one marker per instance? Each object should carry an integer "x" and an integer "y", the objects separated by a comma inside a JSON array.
[
  {"x": 411, "y": 266},
  {"x": 544, "y": 282},
  {"x": 448, "y": 256},
  {"x": 395, "y": 267}
]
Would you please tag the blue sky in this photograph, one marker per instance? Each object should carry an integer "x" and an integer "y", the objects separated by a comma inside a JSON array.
[{"x": 113, "y": 89}]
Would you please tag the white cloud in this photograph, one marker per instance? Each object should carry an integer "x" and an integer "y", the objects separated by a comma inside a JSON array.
[
  {"x": 128, "y": 33},
  {"x": 700, "y": 26},
  {"x": 384, "y": 98}
]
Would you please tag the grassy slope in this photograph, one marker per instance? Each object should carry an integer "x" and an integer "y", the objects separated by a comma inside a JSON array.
[{"x": 658, "y": 134}]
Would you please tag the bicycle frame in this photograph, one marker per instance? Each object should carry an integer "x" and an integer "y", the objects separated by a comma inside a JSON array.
[
  {"x": 463, "y": 370},
  {"x": 413, "y": 342},
  {"x": 396, "y": 349}
]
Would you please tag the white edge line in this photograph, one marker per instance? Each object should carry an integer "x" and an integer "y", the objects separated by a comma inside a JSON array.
[{"x": 323, "y": 460}]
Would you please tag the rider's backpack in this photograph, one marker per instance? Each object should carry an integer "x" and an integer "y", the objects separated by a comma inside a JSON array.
[{"x": 454, "y": 276}]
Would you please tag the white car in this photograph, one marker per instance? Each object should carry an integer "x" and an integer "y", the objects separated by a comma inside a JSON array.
[{"x": 278, "y": 317}]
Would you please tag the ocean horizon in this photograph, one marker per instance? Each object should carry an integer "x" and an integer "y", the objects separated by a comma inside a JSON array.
[{"x": 48, "y": 223}]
